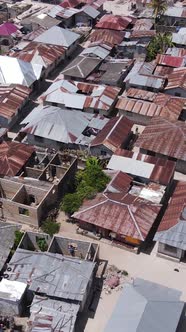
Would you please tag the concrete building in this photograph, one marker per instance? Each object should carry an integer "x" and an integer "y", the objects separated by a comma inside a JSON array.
[{"x": 12, "y": 294}]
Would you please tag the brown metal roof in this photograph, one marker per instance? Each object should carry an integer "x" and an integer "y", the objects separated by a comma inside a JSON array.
[
  {"x": 149, "y": 109},
  {"x": 175, "y": 207},
  {"x": 13, "y": 157},
  {"x": 143, "y": 24},
  {"x": 165, "y": 137},
  {"x": 120, "y": 182},
  {"x": 104, "y": 36},
  {"x": 171, "y": 61},
  {"x": 34, "y": 51},
  {"x": 126, "y": 215},
  {"x": 142, "y": 34},
  {"x": 114, "y": 22},
  {"x": 11, "y": 99},
  {"x": 163, "y": 70},
  {"x": 114, "y": 133},
  {"x": 177, "y": 79},
  {"x": 34, "y": 34},
  {"x": 163, "y": 170}
]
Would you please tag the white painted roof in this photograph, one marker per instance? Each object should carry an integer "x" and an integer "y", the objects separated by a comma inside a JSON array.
[{"x": 12, "y": 290}]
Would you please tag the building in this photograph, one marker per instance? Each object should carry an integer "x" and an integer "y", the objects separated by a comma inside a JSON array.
[
  {"x": 143, "y": 167},
  {"x": 7, "y": 234},
  {"x": 147, "y": 82},
  {"x": 59, "y": 37},
  {"x": 146, "y": 306},
  {"x": 117, "y": 133},
  {"x": 140, "y": 106},
  {"x": 176, "y": 85},
  {"x": 102, "y": 37},
  {"x": 12, "y": 100},
  {"x": 174, "y": 15},
  {"x": 8, "y": 33},
  {"x": 16, "y": 71},
  {"x": 33, "y": 22},
  {"x": 170, "y": 60},
  {"x": 13, "y": 157},
  {"x": 58, "y": 277},
  {"x": 12, "y": 295},
  {"x": 126, "y": 212},
  {"x": 53, "y": 127},
  {"x": 171, "y": 233},
  {"x": 165, "y": 139},
  {"x": 49, "y": 56},
  {"x": 114, "y": 22},
  {"x": 29, "y": 197},
  {"x": 86, "y": 97}
]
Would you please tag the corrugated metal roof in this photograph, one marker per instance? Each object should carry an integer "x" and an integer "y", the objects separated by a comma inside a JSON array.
[
  {"x": 177, "y": 79},
  {"x": 61, "y": 125},
  {"x": 16, "y": 71},
  {"x": 58, "y": 36},
  {"x": 150, "y": 109},
  {"x": 120, "y": 182},
  {"x": 97, "y": 51},
  {"x": 143, "y": 24},
  {"x": 12, "y": 99},
  {"x": 104, "y": 36},
  {"x": 34, "y": 34},
  {"x": 13, "y": 157},
  {"x": 179, "y": 39},
  {"x": 150, "y": 81},
  {"x": 175, "y": 11},
  {"x": 175, "y": 51},
  {"x": 145, "y": 306},
  {"x": 81, "y": 95},
  {"x": 114, "y": 22},
  {"x": 69, "y": 3},
  {"x": 172, "y": 229},
  {"x": 164, "y": 137},
  {"x": 123, "y": 214},
  {"x": 7, "y": 235},
  {"x": 163, "y": 71},
  {"x": 7, "y": 29},
  {"x": 52, "y": 274},
  {"x": 41, "y": 54},
  {"x": 155, "y": 169},
  {"x": 114, "y": 133},
  {"x": 142, "y": 33},
  {"x": 171, "y": 61},
  {"x": 81, "y": 66}
]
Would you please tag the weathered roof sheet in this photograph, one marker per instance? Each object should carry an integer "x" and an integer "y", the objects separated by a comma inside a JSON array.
[
  {"x": 62, "y": 125},
  {"x": 104, "y": 36},
  {"x": 7, "y": 235},
  {"x": 123, "y": 214},
  {"x": 171, "y": 61},
  {"x": 172, "y": 229},
  {"x": 143, "y": 33},
  {"x": 143, "y": 24},
  {"x": 11, "y": 99},
  {"x": 177, "y": 79},
  {"x": 175, "y": 12},
  {"x": 120, "y": 182},
  {"x": 41, "y": 19},
  {"x": 81, "y": 66},
  {"x": 114, "y": 22},
  {"x": 164, "y": 137},
  {"x": 97, "y": 51},
  {"x": 42, "y": 54},
  {"x": 155, "y": 169},
  {"x": 52, "y": 274},
  {"x": 81, "y": 95},
  {"x": 114, "y": 133},
  {"x": 69, "y": 3},
  {"x": 13, "y": 157},
  {"x": 58, "y": 36},
  {"x": 175, "y": 51},
  {"x": 34, "y": 34},
  {"x": 16, "y": 71},
  {"x": 150, "y": 81},
  {"x": 145, "y": 306}
]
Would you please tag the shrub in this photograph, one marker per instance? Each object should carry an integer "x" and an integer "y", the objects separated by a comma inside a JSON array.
[{"x": 50, "y": 227}]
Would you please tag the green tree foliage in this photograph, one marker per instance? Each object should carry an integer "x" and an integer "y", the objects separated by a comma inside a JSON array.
[
  {"x": 159, "y": 7},
  {"x": 159, "y": 45},
  {"x": 88, "y": 182},
  {"x": 50, "y": 227},
  {"x": 42, "y": 244},
  {"x": 18, "y": 237}
]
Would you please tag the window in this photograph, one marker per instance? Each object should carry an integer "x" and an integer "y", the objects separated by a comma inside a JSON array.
[
  {"x": 177, "y": 94},
  {"x": 170, "y": 248},
  {"x": 24, "y": 212},
  {"x": 39, "y": 139},
  {"x": 103, "y": 153}
]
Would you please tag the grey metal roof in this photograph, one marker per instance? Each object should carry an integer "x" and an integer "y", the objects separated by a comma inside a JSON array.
[
  {"x": 90, "y": 11},
  {"x": 98, "y": 51},
  {"x": 61, "y": 125},
  {"x": 174, "y": 236},
  {"x": 7, "y": 236},
  {"x": 145, "y": 306},
  {"x": 81, "y": 66},
  {"x": 16, "y": 71},
  {"x": 174, "y": 11},
  {"x": 58, "y": 36},
  {"x": 60, "y": 315},
  {"x": 52, "y": 274}
]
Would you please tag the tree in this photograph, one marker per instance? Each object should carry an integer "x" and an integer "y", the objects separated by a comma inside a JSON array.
[
  {"x": 18, "y": 237},
  {"x": 159, "y": 7},
  {"x": 71, "y": 203},
  {"x": 159, "y": 45},
  {"x": 50, "y": 227},
  {"x": 42, "y": 244}
]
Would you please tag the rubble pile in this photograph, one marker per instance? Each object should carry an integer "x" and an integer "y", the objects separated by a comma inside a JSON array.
[{"x": 114, "y": 278}]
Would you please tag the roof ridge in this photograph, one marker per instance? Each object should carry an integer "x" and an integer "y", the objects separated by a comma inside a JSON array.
[
  {"x": 110, "y": 132},
  {"x": 135, "y": 222}
]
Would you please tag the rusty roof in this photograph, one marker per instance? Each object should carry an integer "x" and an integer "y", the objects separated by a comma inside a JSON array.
[
  {"x": 70, "y": 3},
  {"x": 44, "y": 54},
  {"x": 114, "y": 133},
  {"x": 120, "y": 182},
  {"x": 175, "y": 207},
  {"x": 123, "y": 214},
  {"x": 105, "y": 36},
  {"x": 34, "y": 34},
  {"x": 11, "y": 99},
  {"x": 171, "y": 61},
  {"x": 177, "y": 79},
  {"x": 142, "y": 33},
  {"x": 163, "y": 169},
  {"x": 13, "y": 157},
  {"x": 143, "y": 24},
  {"x": 163, "y": 70},
  {"x": 164, "y": 137},
  {"x": 114, "y": 22},
  {"x": 149, "y": 109}
]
